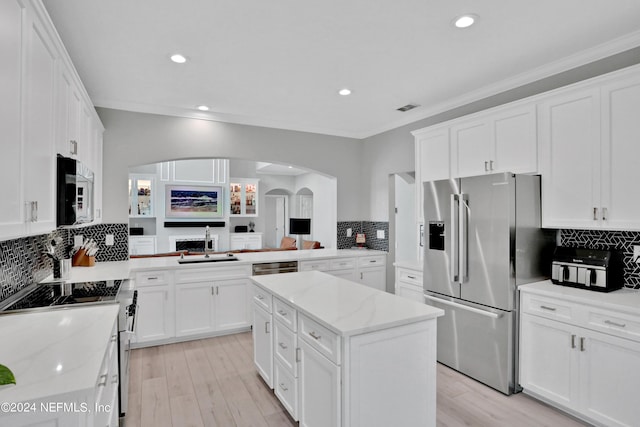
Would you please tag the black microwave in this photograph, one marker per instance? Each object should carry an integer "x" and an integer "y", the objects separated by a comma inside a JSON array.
[{"x": 74, "y": 192}]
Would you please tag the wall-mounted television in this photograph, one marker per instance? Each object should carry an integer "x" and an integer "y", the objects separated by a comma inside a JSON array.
[{"x": 299, "y": 226}]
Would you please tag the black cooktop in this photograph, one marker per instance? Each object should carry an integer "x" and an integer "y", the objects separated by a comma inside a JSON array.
[{"x": 59, "y": 294}]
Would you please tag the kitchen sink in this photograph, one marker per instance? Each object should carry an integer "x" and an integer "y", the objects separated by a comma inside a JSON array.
[{"x": 212, "y": 258}]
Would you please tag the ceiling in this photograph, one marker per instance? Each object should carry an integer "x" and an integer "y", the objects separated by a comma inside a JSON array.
[{"x": 280, "y": 63}]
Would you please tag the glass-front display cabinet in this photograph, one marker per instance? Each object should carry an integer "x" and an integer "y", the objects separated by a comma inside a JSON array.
[
  {"x": 141, "y": 190},
  {"x": 243, "y": 197}
]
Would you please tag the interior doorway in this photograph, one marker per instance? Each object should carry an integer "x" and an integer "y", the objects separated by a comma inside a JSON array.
[{"x": 275, "y": 219}]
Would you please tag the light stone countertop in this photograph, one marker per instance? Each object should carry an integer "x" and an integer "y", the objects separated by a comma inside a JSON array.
[
  {"x": 116, "y": 270},
  {"x": 345, "y": 307},
  {"x": 625, "y": 299},
  {"x": 54, "y": 352}
]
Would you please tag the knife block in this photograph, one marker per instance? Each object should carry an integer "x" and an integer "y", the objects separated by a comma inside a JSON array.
[{"x": 81, "y": 259}]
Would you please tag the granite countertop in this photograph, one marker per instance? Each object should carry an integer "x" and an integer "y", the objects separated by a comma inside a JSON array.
[
  {"x": 625, "y": 299},
  {"x": 345, "y": 307},
  {"x": 54, "y": 352}
]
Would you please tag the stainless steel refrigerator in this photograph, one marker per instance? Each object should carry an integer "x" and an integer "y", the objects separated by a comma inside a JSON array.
[{"x": 483, "y": 240}]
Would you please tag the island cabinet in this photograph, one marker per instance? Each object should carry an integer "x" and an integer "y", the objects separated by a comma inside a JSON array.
[
  {"x": 409, "y": 282},
  {"x": 580, "y": 351},
  {"x": 367, "y": 270},
  {"x": 156, "y": 314},
  {"x": 330, "y": 349}
]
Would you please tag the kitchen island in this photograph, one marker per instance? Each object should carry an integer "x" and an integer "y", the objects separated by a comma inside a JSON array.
[{"x": 338, "y": 353}]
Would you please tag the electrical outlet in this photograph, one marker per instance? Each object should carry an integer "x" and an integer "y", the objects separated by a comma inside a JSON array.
[
  {"x": 349, "y": 232},
  {"x": 108, "y": 240},
  {"x": 380, "y": 234},
  {"x": 78, "y": 240},
  {"x": 636, "y": 254}
]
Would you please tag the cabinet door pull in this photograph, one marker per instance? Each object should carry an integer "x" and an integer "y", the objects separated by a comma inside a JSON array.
[
  {"x": 114, "y": 337},
  {"x": 544, "y": 307},
  {"x": 283, "y": 387},
  {"x": 298, "y": 354},
  {"x": 217, "y": 290},
  {"x": 282, "y": 345},
  {"x": 260, "y": 297},
  {"x": 103, "y": 380},
  {"x": 595, "y": 214},
  {"x": 114, "y": 379},
  {"x": 314, "y": 335},
  {"x": 212, "y": 293},
  {"x": 490, "y": 165},
  {"x": 582, "y": 346},
  {"x": 282, "y": 312},
  {"x": 360, "y": 275},
  {"x": 604, "y": 214},
  {"x": 266, "y": 327},
  {"x": 620, "y": 325},
  {"x": 486, "y": 166},
  {"x": 573, "y": 341}
]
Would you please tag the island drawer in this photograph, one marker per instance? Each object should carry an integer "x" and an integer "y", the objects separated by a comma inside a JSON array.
[
  {"x": 320, "y": 265},
  {"x": 151, "y": 278},
  {"x": 618, "y": 324},
  {"x": 285, "y": 313},
  {"x": 322, "y": 339},
  {"x": 285, "y": 343},
  {"x": 285, "y": 387},
  {"x": 262, "y": 298}
]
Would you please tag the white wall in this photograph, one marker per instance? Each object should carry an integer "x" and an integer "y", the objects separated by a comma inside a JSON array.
[
  {"x": 323, "y": 224},
  {"x": 136, "y": 138}
]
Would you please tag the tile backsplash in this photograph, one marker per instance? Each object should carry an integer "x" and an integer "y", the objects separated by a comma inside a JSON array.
[
  {"x": 23, "y": 261},
  {"x": 603, "y": 239},
  {"x": 369, "y": 228}
]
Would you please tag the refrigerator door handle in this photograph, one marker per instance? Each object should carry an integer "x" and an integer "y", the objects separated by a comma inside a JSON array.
[
  {"x": 453, "y": 237},
  {"x": 463, "y": 205},
  {"x": 463, "y": 307}
]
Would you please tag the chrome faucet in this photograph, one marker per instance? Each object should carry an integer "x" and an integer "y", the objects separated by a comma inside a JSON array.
[{"x": 207, "y": 240}]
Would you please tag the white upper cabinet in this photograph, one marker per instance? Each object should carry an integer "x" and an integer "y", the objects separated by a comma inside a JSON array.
[
  {"x": 570, "y": 159},
  {"x": 433, "y": 160},
  {"x": 620, "y": 152},
  {"x": 503, "y": 141},
  {"x": 43, "y": 107},
  {"x": 589, "y": 152}
]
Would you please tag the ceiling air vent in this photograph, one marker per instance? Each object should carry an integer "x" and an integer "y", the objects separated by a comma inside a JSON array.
[{"x": 407, "y": 107}]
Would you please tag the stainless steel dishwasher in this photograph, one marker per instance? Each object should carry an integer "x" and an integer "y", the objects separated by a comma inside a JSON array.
[{"x": 275, "y": 268}]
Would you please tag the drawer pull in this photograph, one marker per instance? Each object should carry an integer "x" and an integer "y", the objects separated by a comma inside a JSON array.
[
  {"x": 152, "y": 278},
  {"x": 314, "y": 335},
  {"x": 620, "y": 325},
  {"x": 373, "y": 260},
  {"x": 412, "y": 277},
  {"x": 103, "y": 380},
  {"x": 282, "y": 386},
  {"x": 260, "y": 297},
  {"x": 282, "y": 312},
  {"x": 582, "y": 347},
  {"x": 282, "y": 345},
  {"x": 544, "y": 307},
  {"x": 573, "y": 341}
]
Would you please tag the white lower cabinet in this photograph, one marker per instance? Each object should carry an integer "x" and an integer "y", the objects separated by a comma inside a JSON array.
[
  {"x": 320, "y": 392},
  {"x": 262, "y": 338},
  {"x": 206, "y": 307},
  {"x": 566, "y": 362},
  {"x": 156, "y": 313},
  {"x": 373, "y": 272}
]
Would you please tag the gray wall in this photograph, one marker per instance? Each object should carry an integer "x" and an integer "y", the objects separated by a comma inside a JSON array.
[
  {"x": 132, "y": 139},
  {"x": 393, "y": 151}
]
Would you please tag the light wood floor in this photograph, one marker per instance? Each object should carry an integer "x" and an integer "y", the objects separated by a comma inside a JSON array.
[{"x": 213, "y": 382}]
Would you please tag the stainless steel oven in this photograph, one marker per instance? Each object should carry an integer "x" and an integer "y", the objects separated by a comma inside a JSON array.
[{"x": 128, "y": 299}]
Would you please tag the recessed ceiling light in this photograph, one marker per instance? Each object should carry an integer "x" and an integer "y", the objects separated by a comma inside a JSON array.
[
  {"x": 290, "y": 167},
  {"x": 344, "y": 92},
  {"x": 203, "y": 108},
  {"x": 465, "y": 21},
  {"x": 178, "y": 59}
]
